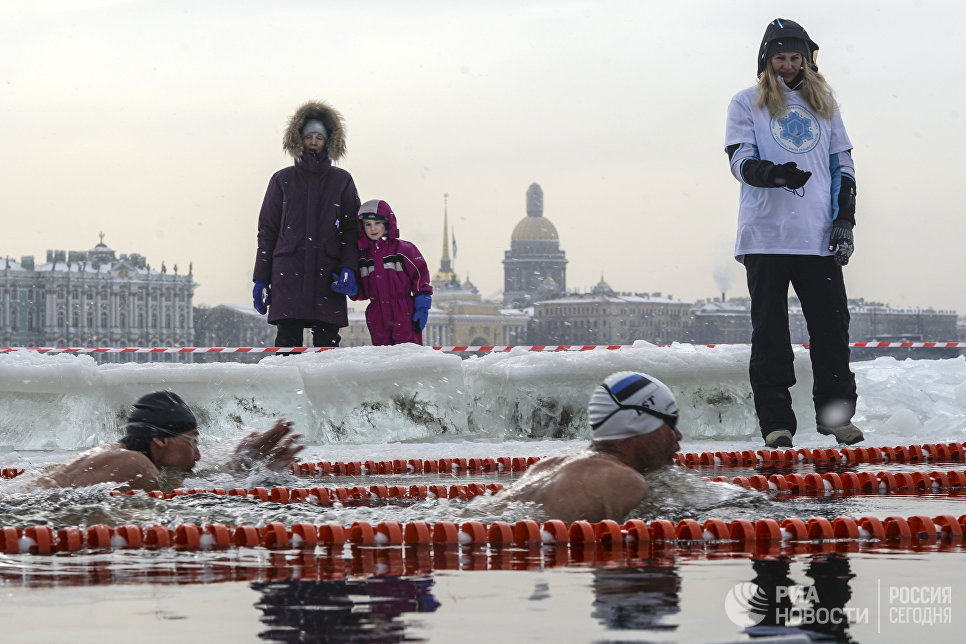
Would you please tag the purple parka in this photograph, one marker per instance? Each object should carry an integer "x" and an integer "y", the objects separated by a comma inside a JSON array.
[
  {"x": 391, "y": 272},
  {"x": 306, "y": 228}
]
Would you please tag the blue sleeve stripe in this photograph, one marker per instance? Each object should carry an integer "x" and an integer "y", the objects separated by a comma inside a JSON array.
[
  {"x": 751, "y": 153},
  {"x": 835, "y": 169}
]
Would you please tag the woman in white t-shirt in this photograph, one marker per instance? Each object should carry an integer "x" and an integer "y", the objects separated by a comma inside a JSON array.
[{"x": 789, "y": 149}]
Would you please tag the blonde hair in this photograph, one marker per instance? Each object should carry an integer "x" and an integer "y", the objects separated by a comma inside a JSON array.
[{"x": 815, "y": 90}]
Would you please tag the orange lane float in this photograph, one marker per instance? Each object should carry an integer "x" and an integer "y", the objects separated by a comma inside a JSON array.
[
  {"x": 935, "y": 452},
  {"x": 783, "y": 485},
  {"x": 941, "y": 452},
  {"x": 527, "y": 534}
]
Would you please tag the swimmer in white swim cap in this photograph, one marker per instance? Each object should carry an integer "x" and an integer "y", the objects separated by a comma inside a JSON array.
[{"x": 634, "y": 417}]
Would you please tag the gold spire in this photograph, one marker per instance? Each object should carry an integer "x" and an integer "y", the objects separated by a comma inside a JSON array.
[
  {"x": 445, "y": 257},
  {"x": 445, "y": 276}
]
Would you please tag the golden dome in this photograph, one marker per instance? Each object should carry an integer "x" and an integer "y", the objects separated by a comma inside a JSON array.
[{"x": 534, "y": 229}]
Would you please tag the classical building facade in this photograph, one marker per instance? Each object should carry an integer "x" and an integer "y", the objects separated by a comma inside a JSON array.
[
  {"x": 94, "y": 298},
  {"x": 729, "y": 322},
  {"x": 605, "y": 317},
  {"x": 534, "y": 268},
  {"x": 721, "y": 321}
]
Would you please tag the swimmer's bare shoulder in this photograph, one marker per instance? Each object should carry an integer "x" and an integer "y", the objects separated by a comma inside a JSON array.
[
  {"x": 106, "y": 464},
  {"x": 586, "y": 486},
  {"x": 628, "y": 488},
  {"x": 602, "y": 487}
]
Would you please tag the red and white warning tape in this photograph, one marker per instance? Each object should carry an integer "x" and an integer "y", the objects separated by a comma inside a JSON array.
[{"x": 447, "y": 349}]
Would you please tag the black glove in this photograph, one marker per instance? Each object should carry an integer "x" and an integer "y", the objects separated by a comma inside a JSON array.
[
  {"x": 840, "y": 242},
  {"x": 787, "y": 175},
  {"x": 765, "y": 174}
]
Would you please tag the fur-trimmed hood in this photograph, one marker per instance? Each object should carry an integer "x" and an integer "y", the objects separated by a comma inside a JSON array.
[{"x": 335, "y": 143}]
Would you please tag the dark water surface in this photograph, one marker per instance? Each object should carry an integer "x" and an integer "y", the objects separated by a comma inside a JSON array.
[
  {"x": 837, "y": 591},
  {"x": 831, "y": 592}
]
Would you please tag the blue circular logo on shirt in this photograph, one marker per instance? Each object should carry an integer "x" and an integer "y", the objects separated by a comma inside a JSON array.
[{"x": 796, "y": 129}]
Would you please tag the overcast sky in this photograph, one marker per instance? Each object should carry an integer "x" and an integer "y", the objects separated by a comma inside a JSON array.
[{"x": 160, "y": 123}]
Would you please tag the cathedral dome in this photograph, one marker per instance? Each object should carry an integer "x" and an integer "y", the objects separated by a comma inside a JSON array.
[
  {"x": 534, "y": 268},
  {"x": 534, "y": 229}
]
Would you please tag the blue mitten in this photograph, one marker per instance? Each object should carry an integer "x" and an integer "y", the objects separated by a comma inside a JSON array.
[
  {"x": 345, "y": 282},
  {"x": 422, "y": 303},
  {"x": 262, "y": 296}
]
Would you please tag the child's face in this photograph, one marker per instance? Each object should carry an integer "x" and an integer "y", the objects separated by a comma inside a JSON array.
[{"x": 375, "y": 228}]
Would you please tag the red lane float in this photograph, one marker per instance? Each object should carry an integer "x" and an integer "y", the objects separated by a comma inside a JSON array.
[
  {"x": 338, "y": 563},
  {"x": 937, "y": 452},
  {"x": 940, "y": 452},
  {"x": 349, "y": 496},
  {"x": 784, "y": 485},
  {"x": 943, "y": 452},
  {"x": 42, "y": 540}
]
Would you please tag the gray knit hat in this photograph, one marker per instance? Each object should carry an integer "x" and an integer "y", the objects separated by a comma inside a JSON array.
[{"x": 314, "y": 126}]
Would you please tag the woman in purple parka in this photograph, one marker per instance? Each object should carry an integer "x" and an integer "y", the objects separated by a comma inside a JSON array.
[
  {"x": 393, "y": 275},
  {"x": 307, "y": 234}
]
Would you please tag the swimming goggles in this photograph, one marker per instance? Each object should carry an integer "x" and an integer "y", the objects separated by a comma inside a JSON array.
[
  {"x": 163, "y": 432},
  {"x": 626, "y": 392}
]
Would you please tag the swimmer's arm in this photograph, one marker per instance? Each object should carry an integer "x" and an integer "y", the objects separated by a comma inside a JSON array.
[{"x": 275, "y": 447}]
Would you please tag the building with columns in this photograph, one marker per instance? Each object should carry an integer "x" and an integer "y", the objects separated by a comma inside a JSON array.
[{"x": 94, "y": 298}]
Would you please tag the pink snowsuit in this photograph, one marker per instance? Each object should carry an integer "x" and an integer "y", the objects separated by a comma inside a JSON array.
[{"x": 391, "y": 272}]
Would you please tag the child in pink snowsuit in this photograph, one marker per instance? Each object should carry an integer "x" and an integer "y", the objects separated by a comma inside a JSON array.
[{"x": 393, "y": 276}]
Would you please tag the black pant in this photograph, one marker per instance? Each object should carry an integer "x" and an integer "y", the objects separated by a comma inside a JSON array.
[
  {"x": 289, "y": 333},
  {"x": 819, "y": 285}
]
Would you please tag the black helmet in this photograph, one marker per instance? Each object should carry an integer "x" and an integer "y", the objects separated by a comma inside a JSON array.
[{"x": 786, "y": 35}]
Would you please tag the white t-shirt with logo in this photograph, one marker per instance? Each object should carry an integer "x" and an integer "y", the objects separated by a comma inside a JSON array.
[{"x": 774, "y": 220}]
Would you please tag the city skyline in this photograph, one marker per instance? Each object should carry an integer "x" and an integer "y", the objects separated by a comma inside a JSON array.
[
  {"x": 160, "y": 125},
  {"x": 67, "y": 255}
]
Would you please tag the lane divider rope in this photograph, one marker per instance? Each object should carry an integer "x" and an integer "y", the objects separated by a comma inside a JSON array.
[
  {"x": 415, "y": 466},
  {"x": 785, "y": 485},
  {"x": 940, "y": 452},
  {"x": 327, "y": 497},
  {"x": 944, "y": 452},
  {"x": 43, "y": 540}
]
